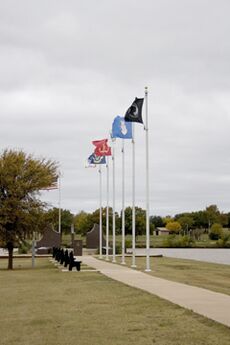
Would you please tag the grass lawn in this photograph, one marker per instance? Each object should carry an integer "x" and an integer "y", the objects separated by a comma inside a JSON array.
[
  {"x": 210, "y": 276},
  {"x": 44, "y": 306}
]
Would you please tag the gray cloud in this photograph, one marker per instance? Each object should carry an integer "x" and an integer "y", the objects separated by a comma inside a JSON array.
[{"x": 67, "y": 69}]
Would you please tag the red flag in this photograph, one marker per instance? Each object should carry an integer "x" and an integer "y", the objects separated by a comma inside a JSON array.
[
  {"x": 99, "y": 142},
  {"x": 102, "y": 148}
]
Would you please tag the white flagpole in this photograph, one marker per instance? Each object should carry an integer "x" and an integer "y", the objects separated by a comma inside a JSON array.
[
  {"x": 107, "y": 212},
  {"x": 114, "y": 221},
  {"x": 59, "y": 203},
  {"x": 147, "y": 183},
  {"x": 133, "y": 213},
  {"x": 123, "y": 203},
  {"x": 100, "y": 220}
]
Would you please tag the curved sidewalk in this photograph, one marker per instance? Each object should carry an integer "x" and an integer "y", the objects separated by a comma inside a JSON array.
[{"x": 213, "y": 305}]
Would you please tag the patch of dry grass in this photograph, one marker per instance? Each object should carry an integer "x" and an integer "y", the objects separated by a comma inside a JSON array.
[{"x": 44, "y": 306}]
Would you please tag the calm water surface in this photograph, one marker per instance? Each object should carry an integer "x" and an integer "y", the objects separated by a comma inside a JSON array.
[{"x": 217, "y": 255}]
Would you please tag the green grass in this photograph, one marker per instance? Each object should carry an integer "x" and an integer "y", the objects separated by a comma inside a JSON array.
[
  {"x": 44, "y": 306},
  {"x": 215, "y": 277}
]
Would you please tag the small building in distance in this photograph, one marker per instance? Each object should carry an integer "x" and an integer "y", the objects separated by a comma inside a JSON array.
[{"x": 160, "y": 231}]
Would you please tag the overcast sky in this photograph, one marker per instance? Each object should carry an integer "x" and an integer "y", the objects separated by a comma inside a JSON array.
[{"x": 67, "y": 68}]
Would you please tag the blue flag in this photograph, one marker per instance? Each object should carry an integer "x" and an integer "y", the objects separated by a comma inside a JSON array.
[
  {"x": 121, "y": 128},
  {"x": 93, "y": 159}
]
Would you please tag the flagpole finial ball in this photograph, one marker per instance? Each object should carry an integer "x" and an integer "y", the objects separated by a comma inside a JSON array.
[{"x": 146, "y": 88}]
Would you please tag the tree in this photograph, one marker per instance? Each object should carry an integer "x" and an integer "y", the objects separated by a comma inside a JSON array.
[
  {"x": 167, "y": 219},
  {"x": 200, "y": 219},
  {"x": 52, "y": 217},
  {"x": 228, "y": 220},
  {"x": 223, "y": 219},
  {"x": 173, "y": 227},
  {"x": 186, "y": 222},
  {"x": 128, "y": 220},
  {"x": 21, "y": 178},
  {"x": 212, "y": 215},
  {"x": 83, "y": 222},
  {"x": 140, "y": 220},
  {"x": 157, "y": 221},
  {"x": 95, "y": 217}
]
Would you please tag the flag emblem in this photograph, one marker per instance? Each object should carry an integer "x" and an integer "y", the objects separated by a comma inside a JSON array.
[
  {"x": 93, "y": 159},
  {"x": 134, "y": 113},
  {"x": 102, "y": 148},
  {"x": 121, "y": 128}
]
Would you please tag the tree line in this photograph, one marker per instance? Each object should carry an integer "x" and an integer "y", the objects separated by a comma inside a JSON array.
[{"x": 183, "y": 222}]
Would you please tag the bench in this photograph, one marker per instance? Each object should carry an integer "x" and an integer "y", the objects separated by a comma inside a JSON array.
[
  {"x": 65, "y": 258},
  {"x": 74, "y": 263}
]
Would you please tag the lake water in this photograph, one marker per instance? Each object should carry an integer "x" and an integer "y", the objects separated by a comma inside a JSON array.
[{"x": 217, "y": 255}]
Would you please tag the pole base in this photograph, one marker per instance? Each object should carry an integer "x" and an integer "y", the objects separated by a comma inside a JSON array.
[
  {"x": 134, "y": 266},
  {"x": 148, "y": 270}
]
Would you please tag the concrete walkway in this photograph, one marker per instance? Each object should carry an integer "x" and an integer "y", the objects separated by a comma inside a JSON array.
[{"x": 213, "y": 305}]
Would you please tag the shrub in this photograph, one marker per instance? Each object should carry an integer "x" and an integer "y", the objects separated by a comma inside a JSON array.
[
  {"x": 118, "y": 248},
  {"x": 178, "y": 241},
  {"x": 24, "y": 248},
  {"x": 128, "y": 244},
  {"x": 224, "y": 241},
  {"x": 215, "y": 232}
]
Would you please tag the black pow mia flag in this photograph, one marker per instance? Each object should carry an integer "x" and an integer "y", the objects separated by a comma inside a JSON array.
[{"x": 134, "y": 113}]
